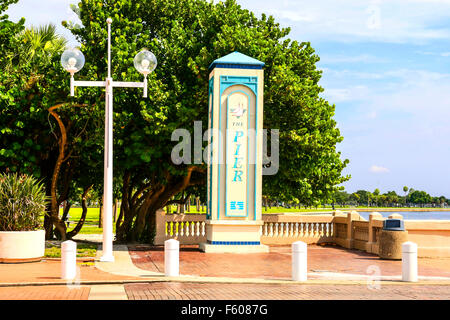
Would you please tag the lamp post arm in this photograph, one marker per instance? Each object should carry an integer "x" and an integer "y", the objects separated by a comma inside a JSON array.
[
  {"x": 90, "y": 83},
  {"x": 123, "y": 84},
  {"x": 115, "y": 84}
]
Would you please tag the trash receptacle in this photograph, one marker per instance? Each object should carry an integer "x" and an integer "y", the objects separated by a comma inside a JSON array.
[{"x": 392, "y": 236}]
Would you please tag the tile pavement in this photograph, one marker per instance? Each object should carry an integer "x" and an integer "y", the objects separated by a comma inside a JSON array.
[
  {"x": 215, "y": 291},
  {"x": 45, "y": 293},
  {"x": 229, "y": 277},
  {"x": 276, "y": 264}
]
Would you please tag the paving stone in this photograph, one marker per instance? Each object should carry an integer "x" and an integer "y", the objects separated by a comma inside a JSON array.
[
  {"x": 277, "y": 263},
  {"x": 59, "y": 292},
  {"x": 216, "y": 291}
]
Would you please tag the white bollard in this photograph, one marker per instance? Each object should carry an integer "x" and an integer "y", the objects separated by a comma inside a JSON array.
[
  {"x": 68, "y": 260},
  {"x": 299, "y": 261},
  {"x": 171, "y": 258},
  {"x": 409, "y": 262}
]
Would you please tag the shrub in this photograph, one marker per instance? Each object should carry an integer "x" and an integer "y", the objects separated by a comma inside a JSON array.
[{"x": 22, "y": 202}]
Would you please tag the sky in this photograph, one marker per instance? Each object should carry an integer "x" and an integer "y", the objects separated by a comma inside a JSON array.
[{"x": 386, "y": 68}]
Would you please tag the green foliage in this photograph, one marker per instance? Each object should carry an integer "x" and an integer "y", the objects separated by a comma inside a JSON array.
[
  {"x": 38, "y": 45},
  {"x": 8, "y": 31},
  {"x": 419, "y": 197},
  {"x": 388, "y": 199},
  {"x": 186, "y": 36},
  {"x": 22, "y": 202},
  {"x": 32, "y": 82},
  {"x": 364, "y": 196},
  {"x": 53, "y": 250},
  {"x": 30, "y": 87},
  {"x": 341, "y": 197}
]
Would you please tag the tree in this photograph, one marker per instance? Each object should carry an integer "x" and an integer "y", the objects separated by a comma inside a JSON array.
[
  {"x": 341, "y": 197},
  {"x": 442, "y": 201},
  {"x": 405, "y": 189},
  {"x": 186, "y": 36},
  {"x": 391, "y": 198},
  {"x": 38, "y": 45},
  {"x": 355, "y": 197},
  {"x": 8, "y": 32},
  {"x": 40, "y": 132},
  {"x": 419, "y": 197},
  {"x": 365, "y": 196}
]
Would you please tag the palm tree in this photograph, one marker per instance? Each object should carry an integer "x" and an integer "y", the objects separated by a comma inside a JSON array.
[
  {"x": 405, "y": 190},
  {"x": 38, "y": 45},
  {"x": 376, "y": 193}
]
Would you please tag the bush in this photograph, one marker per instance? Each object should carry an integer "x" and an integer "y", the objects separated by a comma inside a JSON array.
[{"x": 22, "y": 202}]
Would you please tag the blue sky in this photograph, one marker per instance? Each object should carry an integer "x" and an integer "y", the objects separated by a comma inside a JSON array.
[{"x": 386, "y": 67}]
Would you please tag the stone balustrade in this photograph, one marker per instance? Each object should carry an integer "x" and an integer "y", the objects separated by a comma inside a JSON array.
[
  {"x": 286, "y": 229},
  {"x": 348, "y": 230},
  {"x": 186, "y": 228}
]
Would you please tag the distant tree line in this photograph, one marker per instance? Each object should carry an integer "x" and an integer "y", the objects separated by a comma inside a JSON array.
[{"x": 410, "y": 198}]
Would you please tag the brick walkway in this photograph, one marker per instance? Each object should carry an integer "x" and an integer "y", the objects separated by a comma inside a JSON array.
[
  {"x": 50, "y": 271},
  {"x": 214, "y": 291},
  {"x": 274, "y": 265},
  {"x": 45, "y": 293},
  {"x": 277, "y": 263}
]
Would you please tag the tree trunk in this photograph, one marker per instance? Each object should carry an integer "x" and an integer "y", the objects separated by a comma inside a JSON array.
[
  {"x": 66, "y": 209},
  {"x": 100, "y": 215},
  {"x": 114, "y": 210},
  {"x": 80, "y": 223},
  {"x": 139, "y": 209},
  {"x": 48, "y": 224},
  {"x": 62, "y": 141},
  {"x": 197, "y": 204}
]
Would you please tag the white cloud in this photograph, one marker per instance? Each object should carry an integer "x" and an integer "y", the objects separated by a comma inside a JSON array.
[
  {"x": 429, "y": 53},
  {"x": 378, "y": 169},
  {"x": 396, "y": 21},
  {"x": 363, "y": 58},
  {"x": 372, "y": 115},
  {"x": 350, "y": 93}
]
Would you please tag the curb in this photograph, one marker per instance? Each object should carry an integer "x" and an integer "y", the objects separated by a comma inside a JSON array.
[{"x": 223, "y": 281}]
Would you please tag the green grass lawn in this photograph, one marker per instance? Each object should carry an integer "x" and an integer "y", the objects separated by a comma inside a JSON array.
[
  {"x": 91, "y": 224},
  {"x": 53, "y": 250}
]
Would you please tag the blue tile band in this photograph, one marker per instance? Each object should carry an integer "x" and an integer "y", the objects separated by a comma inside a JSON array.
[
  {"x": 235, "y": 66},
  {"x": 234, "y": 243}
]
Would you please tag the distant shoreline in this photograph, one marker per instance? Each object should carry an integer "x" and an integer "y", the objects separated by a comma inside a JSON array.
[{"x": 395, "y": 209}]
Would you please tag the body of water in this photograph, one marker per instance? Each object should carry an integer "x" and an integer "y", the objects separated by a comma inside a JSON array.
[{"x": 414, "y": 215}]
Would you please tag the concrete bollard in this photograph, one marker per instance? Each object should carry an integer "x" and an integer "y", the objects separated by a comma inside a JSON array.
[
  {"x": 171, "y": 258},
  {"x": 299, "y": 261},
  {"x": 68, "y": 260},
  {"x": 409, "y": 262}
]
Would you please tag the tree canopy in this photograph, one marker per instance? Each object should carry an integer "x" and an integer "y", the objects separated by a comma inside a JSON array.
[
  {"x": 389, "y": 199},
  {"x": 186, "y": 36}
]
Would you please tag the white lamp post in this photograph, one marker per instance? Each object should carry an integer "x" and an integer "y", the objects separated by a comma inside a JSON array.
[{"x": 145, "y": 62}]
